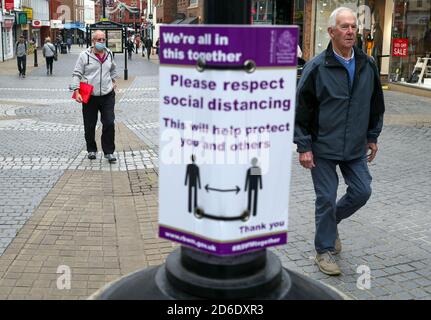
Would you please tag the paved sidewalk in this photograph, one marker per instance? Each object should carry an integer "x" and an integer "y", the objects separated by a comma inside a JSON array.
[
  {"x": 10, "y": 67},
  {"x": 101, "y": 224}
]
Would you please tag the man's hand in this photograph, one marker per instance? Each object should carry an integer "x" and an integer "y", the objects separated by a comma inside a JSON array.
[
  {"x": 78, "y": 97},
  {"x": 114, "y": 85},
  {"x": 306, "y": 160},
  {"x": 374, "y": 149}
]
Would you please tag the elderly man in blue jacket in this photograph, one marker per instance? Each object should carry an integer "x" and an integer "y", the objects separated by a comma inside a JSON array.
[{"x": 339, "y": 117}]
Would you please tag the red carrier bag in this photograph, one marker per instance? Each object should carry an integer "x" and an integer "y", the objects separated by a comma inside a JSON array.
[{"x": 85, "y": 91}]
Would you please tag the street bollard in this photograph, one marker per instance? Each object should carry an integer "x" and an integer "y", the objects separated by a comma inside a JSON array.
[
  {"x": 35, "y": 56},
  {"x": 193, "y": 274}
]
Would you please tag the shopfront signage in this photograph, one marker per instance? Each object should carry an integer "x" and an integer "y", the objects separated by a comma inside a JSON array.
[
  {"x": 56, "y": 24},
  {"x": 400, "y": 47},
  {"x": 36, "y": 24},
  {"x": 22, "y": 18},
  {"x": 29, "y": 12},
  {"x": 9, "y": 5},
  {"x": 226, "y": 135},
  {"x": 8, "y": 23}
]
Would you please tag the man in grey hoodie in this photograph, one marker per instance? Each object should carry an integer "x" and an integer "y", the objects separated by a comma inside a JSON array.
[{"x": 97, "y": 66}]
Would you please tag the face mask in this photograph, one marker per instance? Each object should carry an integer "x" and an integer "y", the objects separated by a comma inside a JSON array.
[{"x": 100, "y": 46}]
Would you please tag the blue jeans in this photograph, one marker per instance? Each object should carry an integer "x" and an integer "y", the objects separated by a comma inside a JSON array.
[{"x": 329, "y": 212}]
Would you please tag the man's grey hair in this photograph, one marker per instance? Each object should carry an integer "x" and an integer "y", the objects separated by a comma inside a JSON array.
[
  {"x": 332, "y": 23},
  {"x": 93, "y": 35}
]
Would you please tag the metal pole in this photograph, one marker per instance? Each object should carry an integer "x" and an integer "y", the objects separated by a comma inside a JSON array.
[
  {"x": 87, "y": 35},
  {"x": 2, "y": 41},
  {"x": 35, "y": 55},
  {"x": 104, "y": 9},
  {"x": 126, "y": 72}
]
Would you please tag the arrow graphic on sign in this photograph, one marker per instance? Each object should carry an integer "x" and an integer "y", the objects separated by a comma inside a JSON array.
[{"x": 237, "y": 189}]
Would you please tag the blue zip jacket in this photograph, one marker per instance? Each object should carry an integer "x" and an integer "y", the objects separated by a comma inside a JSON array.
[{"x": 336, "y": 120}]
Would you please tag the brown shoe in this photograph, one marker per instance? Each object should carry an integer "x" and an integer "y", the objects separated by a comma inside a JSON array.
[
  {"x": 337, "y": 246},
  {"x": 327, "y": 264}
]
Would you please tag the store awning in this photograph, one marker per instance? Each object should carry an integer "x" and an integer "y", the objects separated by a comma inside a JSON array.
[
  {"x": 83, "y": 29},
  {"x": 192, "y": 20},
  {"x": 178, "y": 21}
]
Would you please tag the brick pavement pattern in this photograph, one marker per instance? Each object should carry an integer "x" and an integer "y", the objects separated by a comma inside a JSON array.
[{"x": 100, "y": 220}]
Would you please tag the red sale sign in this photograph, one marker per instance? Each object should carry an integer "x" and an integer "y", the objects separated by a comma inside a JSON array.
[
  {"x": 8, "y": 5},
  {"x": 400, "y": 47}
]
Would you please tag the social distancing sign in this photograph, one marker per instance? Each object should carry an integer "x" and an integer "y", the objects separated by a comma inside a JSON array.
[{"x": 227, "y": 99}]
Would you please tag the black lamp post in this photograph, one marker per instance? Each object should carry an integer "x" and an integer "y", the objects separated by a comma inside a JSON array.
[
  {"x": 192, "y": 274},
  {"x": 126, "y": 71},
  {"x": 103, "y": 9},
  {"x": 35, "y": 54}
]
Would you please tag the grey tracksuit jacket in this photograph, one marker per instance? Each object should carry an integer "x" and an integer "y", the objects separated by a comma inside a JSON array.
[
  {"x": 99, "y": 74},
  {"x": 335, "y": 119}
]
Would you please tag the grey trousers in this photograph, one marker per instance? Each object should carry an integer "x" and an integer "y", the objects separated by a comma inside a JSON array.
[{"x": 330, "y": 212}]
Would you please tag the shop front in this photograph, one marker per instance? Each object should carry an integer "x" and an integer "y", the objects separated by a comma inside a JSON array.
[
  {"x": 6, "y": 29},
  {"x": 397, "y": 33},
  {"x": 283, "y": 12},
  {"x": 374, "y": 26},
  {"x": 411, "y": 43}
]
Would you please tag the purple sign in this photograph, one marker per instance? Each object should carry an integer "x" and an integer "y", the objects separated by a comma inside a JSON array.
[
  {"x": 223, "y": 248},
  {"x": 267, "y": 46}
]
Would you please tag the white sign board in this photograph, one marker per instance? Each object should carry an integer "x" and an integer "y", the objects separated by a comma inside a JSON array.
[{"x": 226, "y": 136}]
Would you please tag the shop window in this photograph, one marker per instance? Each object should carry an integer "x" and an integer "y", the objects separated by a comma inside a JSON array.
[
  {"x": 262, "y": 11},
  {"x": 370, "y": 14},
  {"x": 411, "y": 42},
  {"x": 193, "y": 3}
]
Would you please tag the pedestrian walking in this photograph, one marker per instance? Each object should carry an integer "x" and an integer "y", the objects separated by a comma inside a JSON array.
[
  {"x": 58, "y": 41},
  {"x": 69, "y": 43},
  {"x": 137, "y": 43},
  {"x": 129, "y": 47},
  {"x": 339, "y": 117},
  {"x": 21, "y": 55},
  {"x": 157, "y": 46},
  {"x": 148, "y": 45},
  {"x": 50, "y": 54},
  {"x": 81, "y": 42},
  {"x": 97, "y": 65}
]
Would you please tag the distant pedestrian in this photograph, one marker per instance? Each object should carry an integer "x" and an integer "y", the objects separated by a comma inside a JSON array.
[
  {"x": 49, "y": 53},
  {"x": 69, "y": 44},
  {"x": 137, "y": 43},
  {"x": 21, "y": 55},
  {"x": 148, "y": 45},
  {"x": 129, "y": 47},
  {"x": 81, "y": 42},
  {"x": 58, "y": 41},
  {"x": 97, "y": 66},
  {"x": 157, "y": 46}
]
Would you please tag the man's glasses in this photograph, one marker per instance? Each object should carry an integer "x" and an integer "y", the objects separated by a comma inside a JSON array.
[{"x": 100, "y": 40}]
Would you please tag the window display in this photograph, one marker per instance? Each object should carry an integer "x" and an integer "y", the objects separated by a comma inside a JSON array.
[
  {"x": 411, "y": 43},
  {"x": 370, "y": 15}
]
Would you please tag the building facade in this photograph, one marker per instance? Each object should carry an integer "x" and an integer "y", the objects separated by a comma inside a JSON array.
[
  {"x": 7, "y": 21},
  {"x": 121, "y": 11},
  {"x": 67, "y": 19}
]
